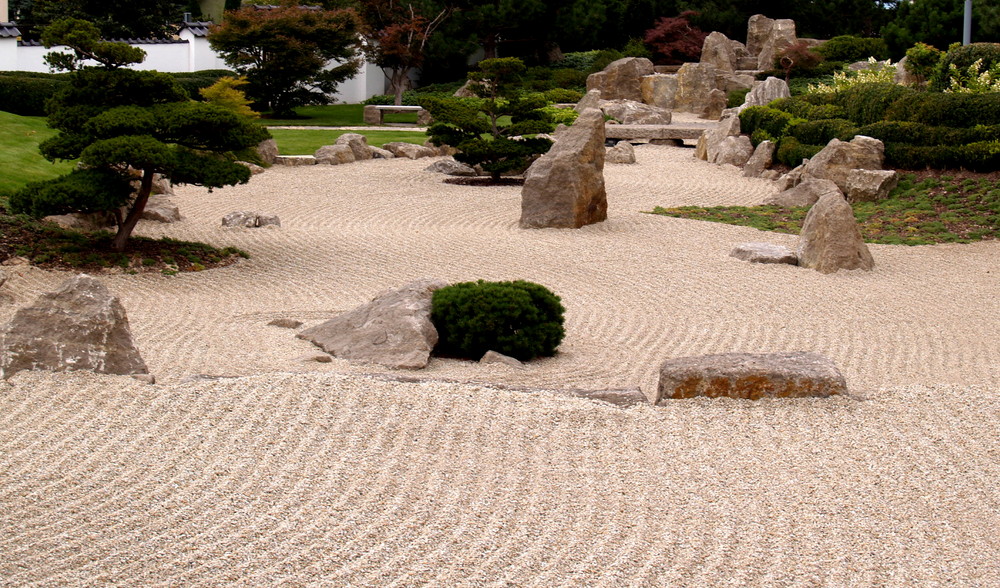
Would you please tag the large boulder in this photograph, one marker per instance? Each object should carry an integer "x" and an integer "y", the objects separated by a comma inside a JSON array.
[
  {"x": 758, "y": 30},
  {"x": 564, "y": 188},
  {"x": 830, "y": 239},
  {"x": 762, "y": 158},
  {"x": 334, "y": 154},
  {"x": 82, "y": 221},
  {"x": 805, "y": 193},
  {"x": 869, "y": 185},
  {"x": 630, "y": 112},
  {"x": 717, "y": 50},
  {"x": 695, "y": 81},
  {"x": 621, "y": 79},
  {"x": 780, "y": 35},
  {"x": 751, "y": 376},
  {"x": 714, "y": 106},
  {"x": 409, "y": 150},
  {"x": 393, "y": 330},
  {"x": 711, "y": 140},
  {"x": 762, "y": 93},
  {"x": 838, "y": 158},
  {"x": 732, "y": 150},
  {"x": 659, "y": 90},
  {"x": 79, "y": 326},
  {"x": 592, "y": 99},
  {"x": 358, "y": 144}
]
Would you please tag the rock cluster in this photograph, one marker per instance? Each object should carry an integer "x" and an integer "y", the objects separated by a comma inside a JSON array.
[{"x": 249, "y": 219}]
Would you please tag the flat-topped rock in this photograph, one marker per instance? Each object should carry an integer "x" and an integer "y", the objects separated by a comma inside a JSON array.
[
  {"x": 673, "y": 131},
  {"x": 295, "y": 160},
  {"x": 764, "y": 253},
  {"x": 750, "y": 376}
]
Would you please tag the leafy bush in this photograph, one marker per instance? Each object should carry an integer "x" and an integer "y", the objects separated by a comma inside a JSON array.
[
  {"x": 916, "y": 133},
  {"x": 561, "y": 116},
  {"x": 946, "y": 109},
  {"x": 849, "y": 48},
  {"x": 25, "y": 93},
  {"x": 569, "y": 79},
  {"x": 798, "y": 57},
  {"x": 922, "y": 60},
  {"x": 195, "y": 81},
  {"x": 520, "y": 319},
  {"x": 962, "y": 57},
  {"x": 770, "y": 120},
  {"x": 737, "y": 97},
  {"x": 579, "y": 60},
  {"x": 976, "y": 79},
  {"x": 563, "y": 96},
  {"x": 820, "y": 132},
  {"x": 869, "y": 103},
  {"x": 877, "y": 72},
  {"x": 791, "y": 152},
  {"x": 802, "y": 107}
]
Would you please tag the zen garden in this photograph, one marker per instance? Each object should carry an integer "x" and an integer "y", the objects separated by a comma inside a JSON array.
[{"x": 574, "y": 293}]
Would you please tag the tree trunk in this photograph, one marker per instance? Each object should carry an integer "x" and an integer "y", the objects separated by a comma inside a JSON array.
[
  {"x": 134, "y": 213},
  {"x": 397, "y": 82}
]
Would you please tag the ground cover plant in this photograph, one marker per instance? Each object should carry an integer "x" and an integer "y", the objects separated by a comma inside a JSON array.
[
  {"x": 307, "y": 141},
  {"x": 926, "y": 208}
]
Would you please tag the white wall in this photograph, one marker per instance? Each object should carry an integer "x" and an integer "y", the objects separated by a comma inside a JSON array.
[{"x": 189, "y": 54}]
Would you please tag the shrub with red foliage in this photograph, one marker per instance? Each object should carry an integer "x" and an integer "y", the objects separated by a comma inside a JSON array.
[
  {"x": 797, "y": 56},
  {"x": 675, "y": 40}
]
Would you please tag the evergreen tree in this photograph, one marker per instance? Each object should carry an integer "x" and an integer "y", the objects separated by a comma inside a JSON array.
[{"x": 116, "y": 120}]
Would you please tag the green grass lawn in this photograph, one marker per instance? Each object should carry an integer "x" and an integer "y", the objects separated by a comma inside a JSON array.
[
  {"x": 21, "y": 162},
  {"x": 940, "y": 209},
  {"x": 306, "y": 142},
  {"x": 335, "y": 115}
]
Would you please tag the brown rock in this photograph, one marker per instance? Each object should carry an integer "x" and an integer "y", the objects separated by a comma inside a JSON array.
[
  {"x": 830, "y": 238},
  {"x": 805, "y": 193},
  {"x": 285, "y": 323},
  {"x": 717, "y": 50},
  {"x": 695, "y": 81},
  {"x": 408, "y": 150},
  {"x": 621, "y": 79},
  {"x": 780, "y": 36},
  {"x": 268, "y": 151},
  {"x": 334, "y": 154},
  {"x": 592, "y": 99},
  {"x": 732, "y": 150},
  {"x": 250, "y": 220},
  {"x": 714, "y": 105},
  {"x": 449, "y": 166},
  {"x": 358, "y": 144},
  {"x": 161, "y": 209},
  {"x": 758, "y": 30},
  {"x": 838, "y": 158},
  {"x": 394, "y": 329},
  {"x": 253, "y": 167},
  {"x": 750, "y": 376},
  {"x": 658, "y": 90},
  {"x": 866, "y": 185},
  {"x": 622, "y": 152},
  {"x": 629, "y": 112},
  {"x": 495, "y": 357},
  {"x": 80, "y": 326},
  {"x": 82, "y": 221},
  {"x": 295, "y": 160},
  {"x": 761, "y": 159},
  {"x": 763, "y": 93},
  {"x": 564, "y": 188}
]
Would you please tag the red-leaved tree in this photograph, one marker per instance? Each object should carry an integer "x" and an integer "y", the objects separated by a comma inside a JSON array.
[
  {"x": 675, "y": 39},
  {"x": 396, "y": 35}
]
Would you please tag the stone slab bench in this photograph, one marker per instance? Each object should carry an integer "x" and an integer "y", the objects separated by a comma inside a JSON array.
[
  {"x": 615, "y": 131},
  {"x": 375, "y": 113}
]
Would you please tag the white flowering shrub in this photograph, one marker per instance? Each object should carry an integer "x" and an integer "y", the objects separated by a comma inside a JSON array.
[
  {"x": 973, "y": 80},
  {"x": 877, "y": 72}
]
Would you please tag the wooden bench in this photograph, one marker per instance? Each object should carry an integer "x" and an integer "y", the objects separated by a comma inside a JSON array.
[
  {"x": 679, "y": 132},
  {"x": 374, "y": 113}
]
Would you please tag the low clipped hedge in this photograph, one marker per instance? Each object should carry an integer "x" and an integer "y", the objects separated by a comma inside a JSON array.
[
  {"x": 25, "y": 93},
  {"x": 820, "y": 132},
  {"x": 791, "y": 151},
  {"x": 848, "y": 48},
  {"x": 520, "y": 319}
]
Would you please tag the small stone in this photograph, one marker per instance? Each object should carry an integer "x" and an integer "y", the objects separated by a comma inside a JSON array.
[
  {"x": 314, "y": 357},
  {"x": 145, "y": 378},
  {"x": 622, "y": 152},
  {"x": 285, "y": 323},
  {"x": 495, "y": 357}
]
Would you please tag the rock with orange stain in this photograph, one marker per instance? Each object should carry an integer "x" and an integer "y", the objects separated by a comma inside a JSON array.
[{"x": 751, "y": 376}]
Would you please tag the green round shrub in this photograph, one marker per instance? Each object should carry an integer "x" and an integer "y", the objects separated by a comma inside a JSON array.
[
  {"x": 520, "y": 319},
  {"x": 849, "y": 48}
]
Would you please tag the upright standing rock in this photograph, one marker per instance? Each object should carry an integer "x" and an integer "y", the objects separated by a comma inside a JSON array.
[
  {"x": 830, "y": 238},
  {"x": 268, "y": 151},
  {"x": 621, "y": 79},
  {"x": 658, "y": 90},
  {"x": 565, "y": 187},
  {"x": 358, "y": 144},
  {"x": 763, "y": 93},
  {"x": 717, "y": 50},
  {"x": 695, "y": 81},
  {"x": 80, "y": 326},
  {"x": 780, "y": 36}
]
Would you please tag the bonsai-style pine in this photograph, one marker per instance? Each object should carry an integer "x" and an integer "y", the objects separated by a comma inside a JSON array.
[
  {"x": 494, "y": 130},
  {"x": 120, "y": 121}
]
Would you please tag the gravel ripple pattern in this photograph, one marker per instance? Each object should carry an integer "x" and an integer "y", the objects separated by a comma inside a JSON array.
[{"x": 247, "y": 466}]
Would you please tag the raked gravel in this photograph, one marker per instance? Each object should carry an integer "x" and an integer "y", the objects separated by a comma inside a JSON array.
[{"x": 245, "y": 465}]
